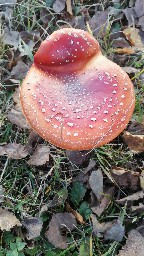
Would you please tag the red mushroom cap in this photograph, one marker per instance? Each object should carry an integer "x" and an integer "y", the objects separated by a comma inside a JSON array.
[{"x": 73, "y": 96}]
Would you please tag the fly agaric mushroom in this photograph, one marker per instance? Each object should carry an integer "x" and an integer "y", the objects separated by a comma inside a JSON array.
[{"x": 73, "y": 96}]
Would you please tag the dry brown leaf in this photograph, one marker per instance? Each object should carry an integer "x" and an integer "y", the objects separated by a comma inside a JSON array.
[
  {"x": 138, "y": 208},
  {"x": 10, "y": 37},
  {"x": 115, "y": 232},
  {"x": 33, "y": 227},
  {"x": 2, "y": 190},
  {"x": 125, "y": 50},
  {"x": 134, "y": 142},
  {"x": 78, "y": 157},
  {"x": 15, "y": 116},
  {"x": 59, "y": 222},
  {"x": 132, "y": 198},
  {"x": 134, "y": 245},
  {"x": 20, "y": 70},
  {"x": 132, "y": 35},
  {"x": 13, "y": 150},
  {"x": 105, "y": 201},
  {"x": 131, "y": 70},
  {"x": 78, "y": 217},
  {"x": 33, "y": 140},
  {"x": 59, "y": 5},
  {"x": 69, "y": 7},
  {"x": 96, "y": 183},
  {"x": 99, "y": 228},
  {"x": 40, "y": 156},
  {"x": 125, "y": 178},
  {"x": 8, "y": 220},
  {"x": 99, "y": 22},
  {"x": 142, "y": 179}
]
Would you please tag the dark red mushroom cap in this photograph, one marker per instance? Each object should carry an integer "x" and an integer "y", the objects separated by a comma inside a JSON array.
[{"x": 73, "y": 96}]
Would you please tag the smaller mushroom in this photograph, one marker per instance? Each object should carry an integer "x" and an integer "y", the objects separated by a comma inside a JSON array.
[{"x": 73, "y": 96}]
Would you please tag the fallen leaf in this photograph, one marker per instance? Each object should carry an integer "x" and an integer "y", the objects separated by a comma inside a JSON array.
[
  {"x": 99, "y": 228},
  {"x": 20, "y": 70},
  {"x": 134, "y": 245},
  {"x": 115, "y": 232},
  {"x": 59, "y": 222},
  {"x": 131, "y": 70},
  {"x": 59, "y": 5},
  {"x": 78, "y": 157},
  {"x": 78, "y": 217},
  {"x": 99, "y": 208},
  {"x": 132, "y": 35},
  {"x": 99, "y": 22},
  {"x": 15, "y": 116},
  {"x": 138, "y": 208},
  {"x": 8, "y": 220},
  {"x": 2, "y": 190},
  {"x": 134, "y": 142},
  {"x": 125, "y": 178},
  {"x": 125, "y": 50},
  {"x": 90, "y": 166},
  {"x": 140, "y": 229},
  {"x": 142, "y": 179},
  {"x": 13, "y": 150},
  {"x": 96, "y": 183},
  {"x": 130, "y": 199},
  {"x": 33, "y": 227},
  {"x": 33, "y": 140},
  {"x": 40, "y": 156},
  {"x": 59, "y": 198},
  {"x": 10, "y": 37},
  {"x": 136, "y": 128},
  {"x": 139, "y": 8},
  {"x": 69, "y": 7},
  {"x": 120, "y": 43}
]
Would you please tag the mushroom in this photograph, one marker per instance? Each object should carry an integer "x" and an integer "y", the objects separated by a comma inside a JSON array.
[{"x": 73, "y": 96}]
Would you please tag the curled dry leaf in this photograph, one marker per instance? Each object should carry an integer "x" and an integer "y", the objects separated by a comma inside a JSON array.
[
  {"x": 96, "y": 183},
  {"x": 125, "y": 178},
  {"x": 134, "y": 245},
  {"x": 59, "y": 222},
  {"x": 10, "y": 37},
  {"x": 8, "y": 220},
  {"x": 13, "y": 150},
  {"x": 134, "y": 142},
  {"x": 40, "y": 156},
  {"x": 132, "y": 198},
  {"x": 33, "y": 227}
]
